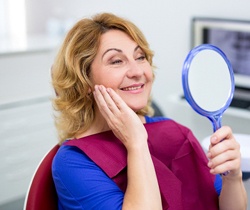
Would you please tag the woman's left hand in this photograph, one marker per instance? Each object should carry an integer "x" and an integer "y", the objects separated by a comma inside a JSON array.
[{"x": 224, "y": 153}]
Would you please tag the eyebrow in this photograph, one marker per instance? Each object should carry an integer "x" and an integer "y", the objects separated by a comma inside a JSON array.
[{"x": 118, "y": 50}]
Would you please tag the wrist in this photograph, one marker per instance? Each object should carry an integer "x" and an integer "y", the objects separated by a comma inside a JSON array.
[{"x": 233, "y": 176}]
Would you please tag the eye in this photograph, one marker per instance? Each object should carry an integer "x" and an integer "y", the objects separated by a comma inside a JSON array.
[
  {"x": 118, "y": 61},
  {"x": 142, "y": 57}
]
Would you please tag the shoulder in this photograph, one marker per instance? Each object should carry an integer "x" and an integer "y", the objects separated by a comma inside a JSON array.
[
  {"x": 81, "y": 184},
  {"x": 67, "y": 156},
  {"x": 67, "y": 152}
]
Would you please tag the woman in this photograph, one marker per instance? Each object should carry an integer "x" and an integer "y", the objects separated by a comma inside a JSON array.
[{"x": 113, "y": 155}]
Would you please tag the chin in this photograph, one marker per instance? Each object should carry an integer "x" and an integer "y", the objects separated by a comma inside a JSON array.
[
  {"x": 136, "y": 103},
  {"x": 137, "y": 108}
]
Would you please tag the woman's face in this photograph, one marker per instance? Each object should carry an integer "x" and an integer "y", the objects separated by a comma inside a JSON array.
[{"x": 121, "y": 64}]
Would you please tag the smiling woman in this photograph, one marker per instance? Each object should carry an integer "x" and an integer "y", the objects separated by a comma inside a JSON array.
[{"x": 114, "y": 154}]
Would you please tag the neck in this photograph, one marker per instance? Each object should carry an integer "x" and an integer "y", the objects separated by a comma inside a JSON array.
[{"x": 100, "y": 125}]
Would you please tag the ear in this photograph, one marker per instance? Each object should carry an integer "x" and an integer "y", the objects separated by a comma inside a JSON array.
[{"x": 89, "y": 91}]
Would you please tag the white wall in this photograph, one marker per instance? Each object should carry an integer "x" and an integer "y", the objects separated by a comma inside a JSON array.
[{"x": 165, "y": 23}]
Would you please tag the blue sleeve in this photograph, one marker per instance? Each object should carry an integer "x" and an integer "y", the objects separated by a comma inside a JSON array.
[
  {"x": 81, "y": 184},
  {"x": 155, "y": 119},
  {"x": 218, "y": 183}
]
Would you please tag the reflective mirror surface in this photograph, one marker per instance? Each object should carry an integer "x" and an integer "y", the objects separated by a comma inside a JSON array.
[{"x": 209, "y": 80}]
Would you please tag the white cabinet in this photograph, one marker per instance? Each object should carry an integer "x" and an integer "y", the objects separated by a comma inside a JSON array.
[
  {"x": 25, "y": 76},
  {"x": 27, "y": 129},
  {"x": 27, "y": 133}
]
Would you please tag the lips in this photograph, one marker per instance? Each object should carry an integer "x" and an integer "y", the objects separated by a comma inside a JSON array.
[{"x": 132, "y": 88}]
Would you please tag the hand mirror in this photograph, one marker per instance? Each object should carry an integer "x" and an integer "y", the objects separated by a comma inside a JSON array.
[{"x": 208, "y": 82}]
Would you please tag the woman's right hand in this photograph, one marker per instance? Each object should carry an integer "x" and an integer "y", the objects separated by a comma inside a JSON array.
[
  {"x": 142, "y": 190},
  {"x": 123, "y": 121}
]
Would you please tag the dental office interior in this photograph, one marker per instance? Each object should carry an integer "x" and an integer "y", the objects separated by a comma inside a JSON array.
[{"x": 31, "y": 32}]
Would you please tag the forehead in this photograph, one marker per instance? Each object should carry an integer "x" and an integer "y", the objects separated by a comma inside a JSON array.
[{"x": 116, "y": 38}]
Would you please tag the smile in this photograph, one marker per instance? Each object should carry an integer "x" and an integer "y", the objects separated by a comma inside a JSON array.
[{"x": 132, "y": 88}]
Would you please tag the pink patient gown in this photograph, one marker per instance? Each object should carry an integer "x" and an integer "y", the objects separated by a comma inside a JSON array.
[{"x": 180, "y": 163}]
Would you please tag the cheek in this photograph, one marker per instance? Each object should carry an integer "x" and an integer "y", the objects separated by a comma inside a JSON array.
[
  {"x": 150, "y": 74},
  {"x": 106, "y": 79},
  {"x": 97, "y": 75}
]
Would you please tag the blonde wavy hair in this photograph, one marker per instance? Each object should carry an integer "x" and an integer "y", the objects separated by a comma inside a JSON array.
[{"x": 72, "y": 66}]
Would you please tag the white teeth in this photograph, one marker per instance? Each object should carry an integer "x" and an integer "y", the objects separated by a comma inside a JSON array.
[{"x": 132, "y": 88}]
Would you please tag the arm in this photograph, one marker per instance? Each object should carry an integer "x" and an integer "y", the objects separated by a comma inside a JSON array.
[
  {"x": 225, "y": 156},
  {"x": 81, "y": 184},
  {"x": 142, "y": 190}
]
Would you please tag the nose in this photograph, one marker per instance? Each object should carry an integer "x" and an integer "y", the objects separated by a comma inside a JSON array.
[{"x": 135, "y": 69}]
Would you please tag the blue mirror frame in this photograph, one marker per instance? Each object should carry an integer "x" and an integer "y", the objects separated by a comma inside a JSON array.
[{"x": 213, "y": 116}]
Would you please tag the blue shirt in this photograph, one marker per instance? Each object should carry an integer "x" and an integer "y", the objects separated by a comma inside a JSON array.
[{"x": 81, "y": 184}]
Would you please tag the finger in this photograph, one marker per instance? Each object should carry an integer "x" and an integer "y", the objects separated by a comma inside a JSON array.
[
  {"x": 222, "y": 147},
  {"x": 222, "y": 161},
  {"x": 121, "y": 105},
  {"x": 221, "y": 134},
  {"x": 110, "y": 103},
  {"x": 229, "y": 155},
  {"x": 232, "y": 166},
  {"x": 102, "y": 103}
]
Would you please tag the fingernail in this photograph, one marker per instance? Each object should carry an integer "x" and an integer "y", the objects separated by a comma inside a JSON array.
[
  {"x": 213, "y": 139},
  {"x": 99, "y": 87},
  {"x": 209, "y": 164},
  {"x": 209, "y": 155}
]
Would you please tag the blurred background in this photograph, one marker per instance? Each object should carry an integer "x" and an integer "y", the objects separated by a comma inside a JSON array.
[{"x": 31, "y": 32}]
